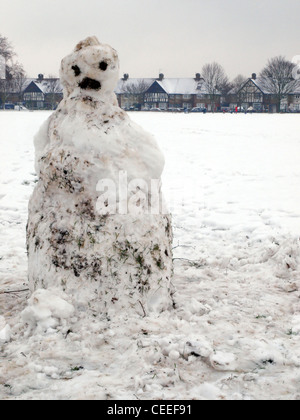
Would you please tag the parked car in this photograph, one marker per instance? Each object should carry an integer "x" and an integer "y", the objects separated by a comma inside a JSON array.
[
  {"x": 198, "y": 109},
  {"x": 9, "y": 106},
  {"x": 155, "y": 109},
  {"x": 174, "y": 109}
]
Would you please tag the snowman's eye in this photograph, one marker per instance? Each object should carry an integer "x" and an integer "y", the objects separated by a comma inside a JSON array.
[
  {"x": 77, "y": 70},
  {"x": 103, "y": 65}
]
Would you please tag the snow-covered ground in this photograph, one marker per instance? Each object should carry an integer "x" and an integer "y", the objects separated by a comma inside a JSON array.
[{"x": 233, "y": 185}]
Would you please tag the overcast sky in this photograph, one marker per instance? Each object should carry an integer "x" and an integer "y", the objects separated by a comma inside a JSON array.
[{"x": 176, "y": 37}]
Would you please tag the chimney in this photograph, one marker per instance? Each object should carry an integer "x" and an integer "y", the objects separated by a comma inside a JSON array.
[
  {"x": 198, "y": 77},
  {"x": 125, "y": 77},
  {"x": 254, "y": 76},
  {"x": 161, "y": 77},
  {"x": 41, "y": 77}
]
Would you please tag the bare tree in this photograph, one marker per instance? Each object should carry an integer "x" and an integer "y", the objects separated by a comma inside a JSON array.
[
  {"x": 6, "y": 49},
  {"x": 18, "y": 81},
  {"x": 4, "y": 91},
  {"x": 14, "y": 72},
  {"x": 238, "y": 82},
  {"x": 2, "y": 67},
  {"x": 14, "y": 82},
  {"x": 54, "y": 88},
  {"x": 277, "y": 79},
  {"x": 136, "y": 90},
  {"x": 216, "y": 81}
]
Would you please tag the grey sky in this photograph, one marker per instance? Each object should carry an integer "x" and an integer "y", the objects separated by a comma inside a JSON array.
[{"x": 176, "y": 37}]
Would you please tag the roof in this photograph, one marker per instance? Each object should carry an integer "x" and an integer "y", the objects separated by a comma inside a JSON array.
[
  {"x": 179, "y": 86},
  {"x": 261, "y": 84},
  {"x": 183, "y": 86},
  {"x": 47, "y": 85},
  {"x": 124, "y": 86},
  {"x": 297, "y": 90},
  {"x": 16, "y": 86},
  {"x": 256, "y": 82}
]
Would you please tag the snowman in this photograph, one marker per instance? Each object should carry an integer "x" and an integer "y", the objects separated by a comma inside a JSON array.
[{"x": 97, "y": 228}]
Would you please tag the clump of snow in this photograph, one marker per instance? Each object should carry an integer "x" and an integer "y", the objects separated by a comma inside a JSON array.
[
  {"x": 222, "y": 361},
  {"x": 5, "y": 331},
  {"x": 295, "y": 325},
  {"x": 46, "y": 309}
]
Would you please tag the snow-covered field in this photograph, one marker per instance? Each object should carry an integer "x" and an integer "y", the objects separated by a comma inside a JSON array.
[{"x": 233, "y": 185}]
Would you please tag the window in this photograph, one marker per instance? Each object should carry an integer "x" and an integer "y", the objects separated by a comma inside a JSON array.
[
  {"x": 156, "y": 97},
  {"x": 187, "y": 105},
  {"x": 186, "y": 96},
  {"x": 33, "y": 96}
]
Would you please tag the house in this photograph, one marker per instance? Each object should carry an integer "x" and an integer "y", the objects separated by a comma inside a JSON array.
[
  {"x": 250, "y": 94},
  {"x": 292, "y": 102},
  {"x": 43, "y": 93},
  {"x": 166, "y": 93},
  {"x": 254, "y": 94},
  {"x": 295, "y": 102}
]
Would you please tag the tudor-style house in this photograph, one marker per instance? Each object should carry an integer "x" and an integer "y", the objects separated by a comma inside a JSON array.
[
  {"x": 250, "y": 95},
  {"x": 292, "y": 102},
  {"x": 43, "y": 93},
  {"x": 253, "y": 94},
  {"x": 166, "y": 93},
  {"x": 37, "y": 93}
]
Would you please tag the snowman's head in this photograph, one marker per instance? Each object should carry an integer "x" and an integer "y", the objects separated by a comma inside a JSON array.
[{"x": 92, "y": 67}]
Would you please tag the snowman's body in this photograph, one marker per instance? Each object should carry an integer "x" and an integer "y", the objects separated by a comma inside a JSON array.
[{"x": 105, "y": 260}]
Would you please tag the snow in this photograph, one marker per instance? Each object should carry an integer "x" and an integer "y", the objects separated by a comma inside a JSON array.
[
  {"x": 132, "y": 84},
  {"x": 232, "y": 182},
  {"x": 5, "y": 331},
  {"x": 189, "y": 86},
  {"x": 45, "y": 309}
]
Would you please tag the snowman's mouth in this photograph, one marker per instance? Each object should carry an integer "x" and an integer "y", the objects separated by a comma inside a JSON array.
[{"x": 88, "y": 83}]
